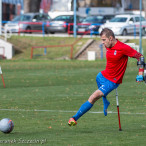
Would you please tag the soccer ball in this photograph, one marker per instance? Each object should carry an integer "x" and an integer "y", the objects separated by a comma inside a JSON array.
[{"x": 6, "y": 125}]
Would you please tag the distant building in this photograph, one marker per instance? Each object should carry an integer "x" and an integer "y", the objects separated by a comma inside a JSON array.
[
  {"x": 110, "y": 6},
  {"x": 55, "y": 5},
  {"x": 10, "y": 8},
  {"x": 45, "y": 5},
  {"x": 96, "y": 6},
  {"x": 60, "y": 7},
  {"x": 133, "y": 6}
]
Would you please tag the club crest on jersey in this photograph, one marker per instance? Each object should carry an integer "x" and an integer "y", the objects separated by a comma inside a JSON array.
[{"x": 115, "y": 53}]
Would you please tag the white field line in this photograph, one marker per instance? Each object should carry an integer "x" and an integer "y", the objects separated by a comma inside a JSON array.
[{"x": 63, "y": 111}]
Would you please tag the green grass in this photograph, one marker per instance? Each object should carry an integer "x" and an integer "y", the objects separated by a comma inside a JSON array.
[
  {"x": 60, "y": 87},
  {"x": 41, "y": 95},
  {"x": 25, "y": 43}
]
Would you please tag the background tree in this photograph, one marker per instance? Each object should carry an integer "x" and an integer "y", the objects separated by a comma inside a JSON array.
[{"x": 31, "y": 5}]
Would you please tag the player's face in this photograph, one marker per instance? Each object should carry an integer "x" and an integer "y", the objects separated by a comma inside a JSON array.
[{"x": 107, "y": 41}]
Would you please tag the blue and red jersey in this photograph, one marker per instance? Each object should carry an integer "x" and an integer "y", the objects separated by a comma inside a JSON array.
[{"x": 117, "y": 58}]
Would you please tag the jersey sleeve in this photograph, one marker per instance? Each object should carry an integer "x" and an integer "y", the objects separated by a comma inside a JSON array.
[
  {"x": 128, "y": 51},
  {"x": 137, "y": 56}
]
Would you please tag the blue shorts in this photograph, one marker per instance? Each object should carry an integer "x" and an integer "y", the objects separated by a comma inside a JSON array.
[{"x": 105, "y": 85}]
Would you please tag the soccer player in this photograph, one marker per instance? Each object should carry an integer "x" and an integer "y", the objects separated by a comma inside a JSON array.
[{"x": 117, "y": 54}]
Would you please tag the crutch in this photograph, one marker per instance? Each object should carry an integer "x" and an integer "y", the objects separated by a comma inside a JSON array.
[
  {"x": 2, "y": 76},
  {"x": 120, "y": 129}
]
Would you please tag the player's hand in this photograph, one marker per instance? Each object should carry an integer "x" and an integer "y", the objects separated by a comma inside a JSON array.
[{"x": 139, "y": 78}]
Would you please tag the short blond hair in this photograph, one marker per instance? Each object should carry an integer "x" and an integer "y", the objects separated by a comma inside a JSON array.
[{"x": 107, "y": 32}]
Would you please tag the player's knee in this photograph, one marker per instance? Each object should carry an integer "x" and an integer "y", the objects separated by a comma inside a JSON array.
[
  {"x": 95, "y": 96},
  {"x": 100, "y": 93}
]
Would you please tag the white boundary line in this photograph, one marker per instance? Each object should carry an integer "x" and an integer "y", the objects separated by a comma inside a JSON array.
[{"x": 62, "y": 111}]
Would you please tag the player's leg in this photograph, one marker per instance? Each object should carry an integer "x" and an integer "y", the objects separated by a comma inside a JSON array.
[
  {"x": 106, "y": 88},
  {"x": 85, "y": 107},
  {"x": 82, "y": 110},
  {"x": 100, "y": 80},
  {"x": 106, "y": 103},
  {"x": 95, "y": 96}
]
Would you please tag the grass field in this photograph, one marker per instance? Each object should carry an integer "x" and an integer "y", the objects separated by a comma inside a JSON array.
[
  {"x": 41, "y": 95},
  {"x": 25, "y": 43}
]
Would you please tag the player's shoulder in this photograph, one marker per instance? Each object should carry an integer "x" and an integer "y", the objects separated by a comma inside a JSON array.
[{"x": 122, "y": 45}]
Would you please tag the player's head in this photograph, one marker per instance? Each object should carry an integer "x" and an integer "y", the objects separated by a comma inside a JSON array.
[{"x": 107, "y": 37}]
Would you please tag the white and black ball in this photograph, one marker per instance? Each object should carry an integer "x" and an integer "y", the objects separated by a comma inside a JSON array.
[{"x": 6, "y": 125}]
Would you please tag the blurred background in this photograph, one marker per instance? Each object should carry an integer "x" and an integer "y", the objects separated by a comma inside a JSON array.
[
  {"x": 11, "y": 8},
  {"x": 71, "y": 18}
]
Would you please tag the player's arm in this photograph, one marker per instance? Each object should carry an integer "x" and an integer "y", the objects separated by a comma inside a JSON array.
[
  {"x": 141, "y": 65},
  {"x": 127, "y": 50}
]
